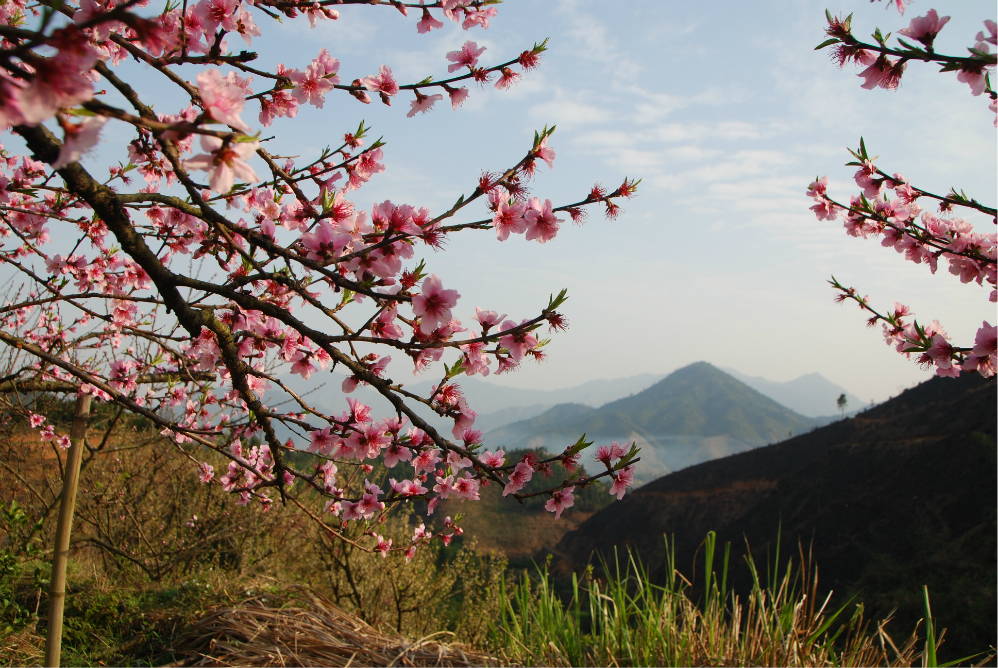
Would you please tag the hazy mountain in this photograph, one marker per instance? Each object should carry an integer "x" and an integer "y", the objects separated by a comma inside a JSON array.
[
  {"x": 504, "y": 416},
  {"x": 497, "y": 405},
  {"x": 812, "y": 395},
  {"x": 488, "y": 398},
  {"x": 695, "y": 414},
  {"x": 899, "y": 496}
]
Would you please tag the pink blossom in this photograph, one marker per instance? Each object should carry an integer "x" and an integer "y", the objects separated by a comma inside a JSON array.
[
  {"x": 423, "y": 103},
  {"x": 433, "y": 305},
  {"x": 519, "y": 342},
  {"x": 466, "y": 56},
  {"x": 36, "y": 420},
  {"x": 222, "y": 100},
  {"x": 465, "y": 488},
  {"x": 396, "y": 453},
  {"x": 218, "y": 12},
  {"x": 443, "y": 487},
  {"x": 330, "y": 65},
  {"x": 312, "y": 84},
  {"x": 120, "y": 376},
  {"x": 63, "y": 442},
  {"x": 426, "y": 460},
  {"x": 876, "y": 73},
  {"x": 57, "y": 82},
  {"x": 79, "y": 139},
  {"x": 825, "y": 210},
  {"x": 925, "y": 28},
  {"x": 560, "y": 499},
  {"x": 90, "y": 9},
  {"x": 207, "y": 472},
  {"x": 992, "y": 36},
  {"x": 518, "y": 478},
  {"x": 383, "y": 83},
  {"x": 545, "y": 153},
  {"x": 464, "y": 420},
  {"x": 282, "y": 103},
  {"x": 224, "y": 162},
  {"x": 542, "y": 224},
  {"x": 508, "y": 217},
  {"x": 325, "y": 242},
  {"x": 427, "y": 23},
  {"x": 986, "y": 341},
  {"x": 384, "y": 545},
  {"x": 476, "y": 360},
  {"x": 984, "y": 359},
  {"x": 868, "y": 178},
  {"x": 488, "y": 319},
  {"x": 474, "y": 16},
  {"x": 247, "y": 28},
  {"x": 407, "y": 487},
  {"x": 507, "y": 79},
  {"x": 10, "y": 101},
  {"x": 456, "y": 461},
  {"x": 385, "y": 327},
  {"x": 494, "y": 460},
  {"x": 975, "y": 78},
  {"x": 323, "y": 441},
  {"x": 368, "y": 443},
  {"x": 622, "y": 479},
  {"x": 457, "y": 96},
  {"x": 817, "y": 188}
]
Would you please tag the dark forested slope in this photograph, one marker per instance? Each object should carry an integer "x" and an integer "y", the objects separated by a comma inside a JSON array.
[{"x": 901, "y": 495}]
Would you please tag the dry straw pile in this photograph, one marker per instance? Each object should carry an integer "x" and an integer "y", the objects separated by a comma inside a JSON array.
[{"x": 307, "y": 630}]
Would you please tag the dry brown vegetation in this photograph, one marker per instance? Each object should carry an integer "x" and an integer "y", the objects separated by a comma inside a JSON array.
[
  {"x": 150, "y": 585},
  {"x": 306, "y": 629}
]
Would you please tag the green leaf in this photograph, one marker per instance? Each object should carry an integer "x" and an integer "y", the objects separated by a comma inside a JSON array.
[
  {"x": 827, "y": 42},
  {"x": 80, "y": 111},
  {"x": 555, "y": 302},
  {"x": 626, "y": 459},
  {"x": 578, "y": 446},
  {"x": 929, "y": 657}
]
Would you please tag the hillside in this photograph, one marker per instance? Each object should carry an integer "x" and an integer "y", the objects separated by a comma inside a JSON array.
[
  {"x": 695, "y": 414},
  {"x": 899, "y": 496}
]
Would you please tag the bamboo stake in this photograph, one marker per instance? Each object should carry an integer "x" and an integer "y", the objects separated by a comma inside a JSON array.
[{"x": 57, "y": 587}]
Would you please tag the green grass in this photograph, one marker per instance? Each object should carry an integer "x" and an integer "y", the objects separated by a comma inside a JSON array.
[{"x": 625, "y": 619}]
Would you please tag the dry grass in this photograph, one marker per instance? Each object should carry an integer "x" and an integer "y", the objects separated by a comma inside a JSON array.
[
  {"x": 23, "y": 648},
  {"x": 308, "y": 630}
]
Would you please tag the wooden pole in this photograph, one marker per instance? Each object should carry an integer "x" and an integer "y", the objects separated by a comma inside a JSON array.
[{"x": 57, "y": 586}]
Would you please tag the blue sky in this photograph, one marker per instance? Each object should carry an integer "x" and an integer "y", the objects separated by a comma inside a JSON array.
[{"x": 726, "y": 113}]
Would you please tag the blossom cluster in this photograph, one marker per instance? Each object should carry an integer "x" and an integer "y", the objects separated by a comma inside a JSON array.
[
  {"x": 190, "y": 295},
  {"x": 884, "y": 66},
  {"x": 923, "y": 237}
]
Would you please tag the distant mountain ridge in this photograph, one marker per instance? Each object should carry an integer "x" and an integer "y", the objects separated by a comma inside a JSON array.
[
  {"x": 496, "y": 405},
  {"x": 499, "y": 405},
  {"x": 695, "y": 414},
  {"x": 811, "y": 395}
]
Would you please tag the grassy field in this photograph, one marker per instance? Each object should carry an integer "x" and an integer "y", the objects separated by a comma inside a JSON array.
[{"x": 166, "y": 570}]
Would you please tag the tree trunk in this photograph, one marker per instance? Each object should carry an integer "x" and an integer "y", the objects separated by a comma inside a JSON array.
[{"x": 57, "y": 586}]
